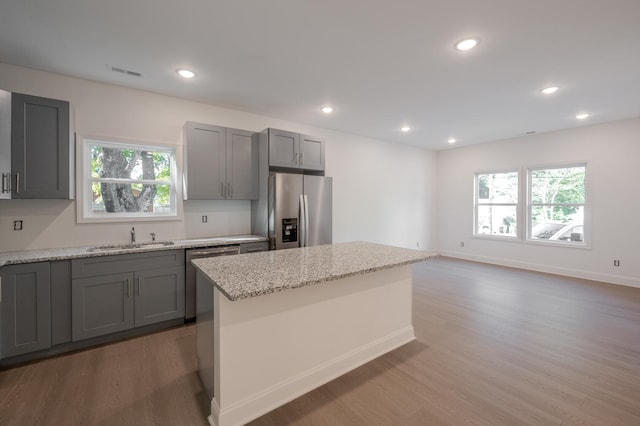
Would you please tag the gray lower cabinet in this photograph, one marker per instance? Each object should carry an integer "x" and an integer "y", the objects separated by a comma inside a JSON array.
[
  {"x": 116, "y": 293},
  {"x": 159, "y": 295},
  {"x": 101, "y": 305},
  {"x": 25, "y": 309},
  {"x": 220, "y": 163}
]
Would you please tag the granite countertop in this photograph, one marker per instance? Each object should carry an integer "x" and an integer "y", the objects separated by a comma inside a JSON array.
[
  {"x": 45, "y": 255},
  {"x": 254, "y": 274}
]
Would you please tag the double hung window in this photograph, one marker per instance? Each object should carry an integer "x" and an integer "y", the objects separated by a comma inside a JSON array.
[
  {"x": 545, "y": 205},
  {"x": 496, "y": 204},
  {"x": 125, "y": 181},
  {"x": 556, "y": 204}
]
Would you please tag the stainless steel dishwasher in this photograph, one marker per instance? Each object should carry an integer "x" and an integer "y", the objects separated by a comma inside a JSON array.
[{"x": 190, "y": 273}]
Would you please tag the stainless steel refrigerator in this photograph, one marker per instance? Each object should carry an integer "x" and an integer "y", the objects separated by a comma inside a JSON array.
[{"x": 299, "y": 210}]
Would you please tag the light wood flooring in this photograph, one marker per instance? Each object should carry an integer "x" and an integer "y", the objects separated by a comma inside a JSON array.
[{"x": 495, "y": 346}]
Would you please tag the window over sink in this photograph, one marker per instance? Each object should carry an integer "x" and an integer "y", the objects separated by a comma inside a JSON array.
[{"x": 126, "y": 181}]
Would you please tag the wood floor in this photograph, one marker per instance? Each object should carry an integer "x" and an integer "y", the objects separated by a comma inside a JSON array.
[{"x": 495, "y": 346}]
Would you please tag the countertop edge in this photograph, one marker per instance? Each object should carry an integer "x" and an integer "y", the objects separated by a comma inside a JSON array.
[
  {"x": 320, "y": 281},
  {"x": 242, "y": 277},
  {"x": 68, "y": 253}
]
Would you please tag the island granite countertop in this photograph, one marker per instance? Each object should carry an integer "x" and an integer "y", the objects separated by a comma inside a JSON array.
[
  {"x": 45, "y": 255},
  {"x": 255, "y": 274}
]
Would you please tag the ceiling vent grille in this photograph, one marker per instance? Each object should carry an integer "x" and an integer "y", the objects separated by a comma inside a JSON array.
[{"x": 124, "y": 71}]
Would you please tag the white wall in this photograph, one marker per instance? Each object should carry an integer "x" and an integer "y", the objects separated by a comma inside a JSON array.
[
  {"x": 612, "y": 151},
  {"x": 383, "y": 192}
]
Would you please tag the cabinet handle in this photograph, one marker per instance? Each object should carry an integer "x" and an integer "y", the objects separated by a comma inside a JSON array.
[
  {"x": 301, "y": 161},
  {"x": 138, "y": 286},
  {"x": 229, "y": 190},
  {"x": 6, "y": 181},
  {"x": 128, "y": 287},
  {"x": 255, "y": 250},
  {"x": 222, "y": 189},
  {"x": 17, "y": 182}
]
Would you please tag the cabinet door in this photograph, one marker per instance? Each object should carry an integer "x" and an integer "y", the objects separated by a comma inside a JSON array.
[
  {"x": 283, "y": 148},
  {"x": 39, "y": 147},
  {"x": 311, "y": 153},
  {"x": 242, "y": 165},
  {"x": 101, "y": 305},
  {"x": 25, "y": 310},
  {"x": 159, "y": 295},
  {"x": 204, "y": 162}
]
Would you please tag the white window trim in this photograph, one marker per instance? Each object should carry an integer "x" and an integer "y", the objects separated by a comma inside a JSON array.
[
  {"x": 586, "y": 243},
  {"x": 83, "y": 180},
  {"x": 476, "y": 204},
  {"x": 524, "y": 208}
]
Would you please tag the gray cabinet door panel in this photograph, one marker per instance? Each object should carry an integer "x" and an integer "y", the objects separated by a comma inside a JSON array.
[
  {"x": 312, "y": 153},
  {"x": 40, "y": 147},
  {"x": 102, "y": 305},
  {"x": 204, "y": 162},
  {"x": 159, "y": 296},
  {"x": 242, "y": 165},
  {"x": 25, "y": 309},
  {"x": 283, "y": 148}
]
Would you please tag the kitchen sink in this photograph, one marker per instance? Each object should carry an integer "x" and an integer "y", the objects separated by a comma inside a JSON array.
[{"x": 115, "y": 247}]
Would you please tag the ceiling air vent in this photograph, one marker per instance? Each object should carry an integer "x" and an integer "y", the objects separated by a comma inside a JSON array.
[{"x": 125, "y": 71}]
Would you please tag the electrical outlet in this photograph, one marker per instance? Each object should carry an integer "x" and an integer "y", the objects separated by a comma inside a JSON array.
[
  {"x": 204, "y": 219},
  {"x": 461, "y": 243},
  {"x": 616, "y": 262},
  {"x": 17, "y": 225}
]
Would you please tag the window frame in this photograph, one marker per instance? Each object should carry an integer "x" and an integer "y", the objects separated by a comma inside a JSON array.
[
  {"x": 477, "y": 204},
  {"x": 84, "y": 213},
  {"x": 524, "y": 206},
  {"x": 586, "y": 237}
]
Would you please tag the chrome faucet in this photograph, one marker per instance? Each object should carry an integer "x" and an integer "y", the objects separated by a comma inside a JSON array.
[
  {"x": 153, "y": 236},
  {"x": 133, "y": 235}
]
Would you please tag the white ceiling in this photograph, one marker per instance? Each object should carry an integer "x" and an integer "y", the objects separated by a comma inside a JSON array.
[{"x": 380, "y": 63}]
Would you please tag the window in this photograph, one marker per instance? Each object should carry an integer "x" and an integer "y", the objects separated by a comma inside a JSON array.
[
  {"x": 127, "y": 181},
  {"x": 556, "y": 204},
  {"x": 496, "y": 204}
]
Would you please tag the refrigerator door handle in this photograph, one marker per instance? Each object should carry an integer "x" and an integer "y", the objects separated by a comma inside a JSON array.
[
  {"x": 306, "y": 221},
  {"x": 302, "y": 226}
]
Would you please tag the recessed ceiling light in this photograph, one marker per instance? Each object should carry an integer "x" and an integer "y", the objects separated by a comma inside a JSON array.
[
  {"x": 405, "y": 128},
  {"x": 451, "y": 140},
  {"x": 549, "y": 90},
  {"x": 185, "y": 73},
  {"x": 467, "y": 44},
  {"x": 582, "y": 116},
  {"x": 327, "y": 109}
]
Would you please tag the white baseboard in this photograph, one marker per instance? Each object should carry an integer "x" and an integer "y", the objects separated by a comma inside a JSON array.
[
  {"x": 261, "y": 403},
  {"x": 568, "y": 272}
]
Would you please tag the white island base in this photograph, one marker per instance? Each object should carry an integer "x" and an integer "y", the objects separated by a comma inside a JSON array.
[{"x": 259, "y": 353}]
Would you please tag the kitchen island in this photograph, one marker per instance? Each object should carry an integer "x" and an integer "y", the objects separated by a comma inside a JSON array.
[{"x": 274, "y": 325}]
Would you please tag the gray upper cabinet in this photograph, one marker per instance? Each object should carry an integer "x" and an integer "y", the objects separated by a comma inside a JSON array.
[
  {"x": 116, "y": 293},
  {"x": 295, "y": 151},
  {"x": 204, "y": 159},
  {"x": 25, "y": 309},
  {"x": 220, "y": 163},
  {"x": 311, "y": 153},
  {"x": 242, "y": 165},
  {"x": 284, "y": 148},
  {"x": 41, "y": 148}
]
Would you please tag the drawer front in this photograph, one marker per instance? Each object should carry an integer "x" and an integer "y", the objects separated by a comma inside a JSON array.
[
  {"x": 105, "y": 265},
  {"x": 254, "y": 247}
]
